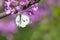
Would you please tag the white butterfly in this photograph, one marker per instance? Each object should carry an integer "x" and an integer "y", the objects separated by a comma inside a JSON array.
[{"x": 22, "y": 20}]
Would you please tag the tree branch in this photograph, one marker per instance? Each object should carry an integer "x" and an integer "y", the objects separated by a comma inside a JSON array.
[{"x": 2, "y": 15}]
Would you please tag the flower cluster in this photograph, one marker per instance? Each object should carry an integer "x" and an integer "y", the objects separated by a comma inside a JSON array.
[{"x": 14, "y": 6}]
